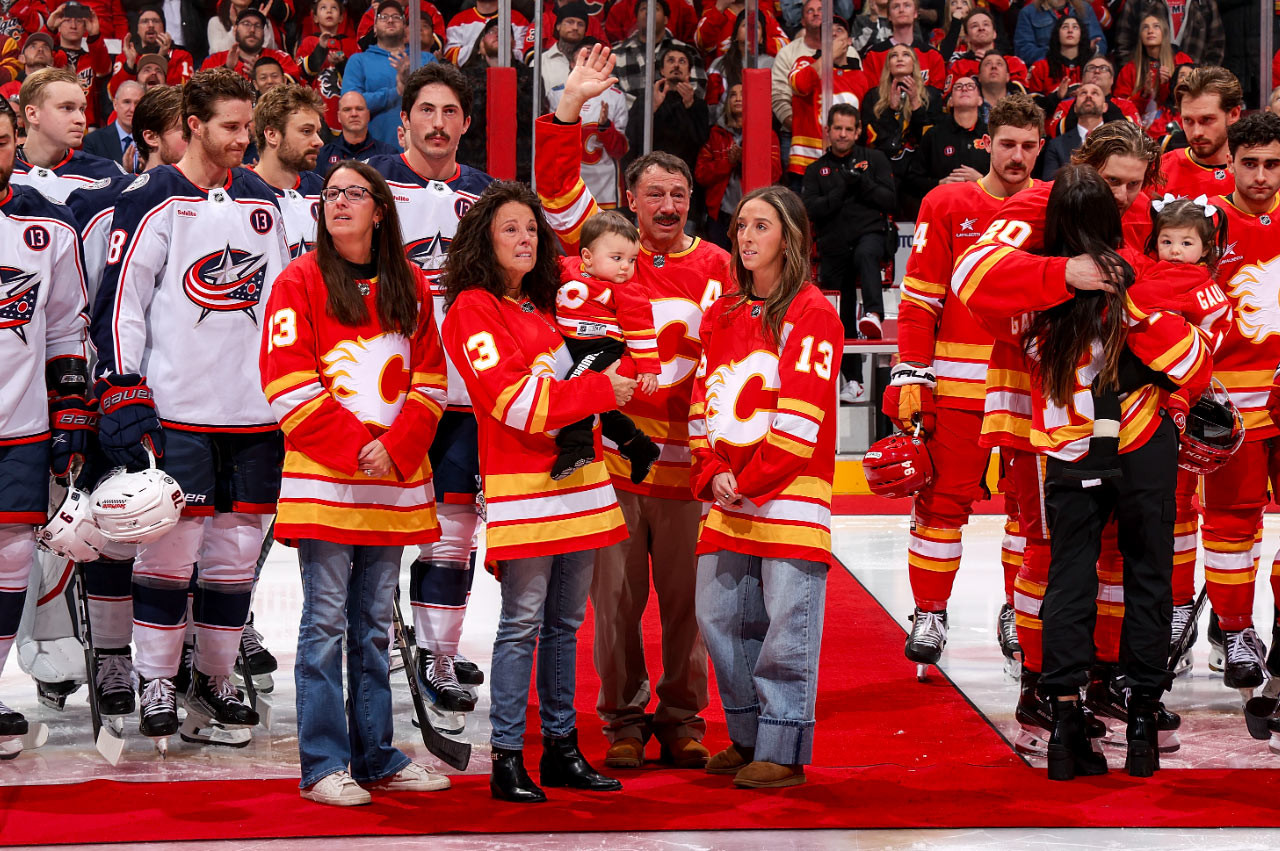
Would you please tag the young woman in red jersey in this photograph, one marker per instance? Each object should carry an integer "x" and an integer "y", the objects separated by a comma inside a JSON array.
[
  {"x": 354, "y": 371},
  {"x": 541, "y": 534},
  {"x": 763, "y": 434}
]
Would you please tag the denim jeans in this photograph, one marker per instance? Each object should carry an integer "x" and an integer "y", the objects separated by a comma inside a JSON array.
[
  {"x": 346, "y": 590},
  {"x": 544, "y": 601},
  {"x": 761, "y": 619}
]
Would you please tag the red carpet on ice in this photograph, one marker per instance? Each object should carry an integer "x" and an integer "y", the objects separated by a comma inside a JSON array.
[{"x": 891, "y": 753}]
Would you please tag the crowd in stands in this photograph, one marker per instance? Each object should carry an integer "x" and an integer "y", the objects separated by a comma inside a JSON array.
[{"x": 915, "y": 80}]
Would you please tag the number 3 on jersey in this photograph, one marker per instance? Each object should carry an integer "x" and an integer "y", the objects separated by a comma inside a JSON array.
[
  {"x": 483, "y": 351},
  {"x": 284, "y": 329},
  {"x": 821, "y": 365}
]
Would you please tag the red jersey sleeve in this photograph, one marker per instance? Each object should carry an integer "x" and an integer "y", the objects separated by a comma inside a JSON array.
[
  {"x": 706, "y": 463},
  {"x": 557, "y": 164},
  {"x": 926, "y": 282},
  {"x": 804, "y": 76},
  {"x": 635, "y": 317}
]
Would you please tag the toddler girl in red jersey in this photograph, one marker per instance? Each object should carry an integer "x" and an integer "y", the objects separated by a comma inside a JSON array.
[{"x": 604, "y": 317}]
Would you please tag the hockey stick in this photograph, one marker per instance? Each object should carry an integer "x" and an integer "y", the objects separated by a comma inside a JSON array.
[
  {"x": 1184, "y": 643},
  {"x": 105, "y": 738},
  {"x": 452, "y": 753},
  {"x": 259, "y": 702}
]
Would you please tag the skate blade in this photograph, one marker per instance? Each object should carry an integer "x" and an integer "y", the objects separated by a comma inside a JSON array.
[
  {"x": 110, "y": 743},
  {"x": 162, "y": 746},
  {"x": 1013, "y": 666},
  {"x": 201, "y": 730},
  {"x": 1029, "y": 742},
  {"x": 1274, "y": 744},
  {"x": 56, "y": 702},
  {"x": 922, "y": 672},
  {"x": 450, "y": 723},
  {"x": 1186, "y": 663},
  {"x": 262, "y": 683},
  {"x": 1217, "y": 659}
]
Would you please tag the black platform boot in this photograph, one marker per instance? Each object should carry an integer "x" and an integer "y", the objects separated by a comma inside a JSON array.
[
  {"x": 1143, "y": 757},
  {"x": 510, "y": 782},
  {"x": 1070, "y": 751},
  {"x": 564, "y": 765}
]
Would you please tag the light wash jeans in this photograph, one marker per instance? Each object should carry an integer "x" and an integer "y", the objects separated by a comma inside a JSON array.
[
  {"x": 761, "y": 619},
  {"x": 544, "y": 601},
  {"x": 346, "y": 589}
]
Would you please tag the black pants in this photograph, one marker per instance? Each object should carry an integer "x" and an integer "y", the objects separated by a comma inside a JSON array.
[
  {"x": 595, "y": 355},
  {"x": 1142, "y": 502},
  {"x": 849, "y": 272}
]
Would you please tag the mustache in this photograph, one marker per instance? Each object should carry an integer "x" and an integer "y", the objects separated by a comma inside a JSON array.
[
  {"x": 437, "y": 134},
  {"x": 666, "y": 219}
]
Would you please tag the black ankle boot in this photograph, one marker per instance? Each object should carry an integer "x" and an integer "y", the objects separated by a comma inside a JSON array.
[
  {"x": 510, "y": 782},
  {"x": 1143, "y": 756},
  {"x": 1070, "y": 753},
  {"x": 564, "y": 765}
]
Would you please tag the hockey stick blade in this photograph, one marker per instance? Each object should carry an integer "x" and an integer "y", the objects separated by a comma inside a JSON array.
[
  {"x": 109, "y": 744},
  {"x": 1184, "y": 644},
  {"x": 452, "y": 753}
]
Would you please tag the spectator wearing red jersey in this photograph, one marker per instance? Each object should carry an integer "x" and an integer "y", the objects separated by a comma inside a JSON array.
[
  {"x": 1145, "y": 79},
  {"x": 948, "y": 37},
  {"x": 980, "y": 33},
  {"x": 221, "y": 27},
  {"x": 726, "y": 70},
  {"x": 719, "y": 23},
  {"x": 849, "y": 85},
  {"x": 79, "y": 47},
  {"x": 719, "y": 167},
  {"x": 248, "y": 49},
  {"x": 553, "y": 12},
  {"x": 623, "y": 19},
  {"x": 1097, "y": 70},
  {"x": 903, "y": 15},
  {"x": 323, "y": 56},
  {"x": 1062, "y": 67},
  {"x": 151, "y": 38}
]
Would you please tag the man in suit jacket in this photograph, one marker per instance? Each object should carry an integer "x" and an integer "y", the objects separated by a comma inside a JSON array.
[
  {"x": 111, "y": 142},
  {"x": 1089, "y": 107}
]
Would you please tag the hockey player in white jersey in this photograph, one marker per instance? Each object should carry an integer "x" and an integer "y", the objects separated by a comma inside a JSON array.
[
  {"x": 53, "y": 106},
  {"x": 287, "y": 121},
  {"x": 45, "y": 421},
  {"x": 433, "y": 191},
  {"x": 193, "y": 251},
  {"x": 157, "y": 129}
]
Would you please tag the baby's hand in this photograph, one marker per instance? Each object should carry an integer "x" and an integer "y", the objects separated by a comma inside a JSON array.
[{"x": 648, "y": 383}]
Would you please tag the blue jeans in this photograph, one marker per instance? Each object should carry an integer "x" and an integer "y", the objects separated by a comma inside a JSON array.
[
  {"x": 346, "y": 590},
  {"x": 761, "y": 619},
  {"x": 544, "y": 601}
]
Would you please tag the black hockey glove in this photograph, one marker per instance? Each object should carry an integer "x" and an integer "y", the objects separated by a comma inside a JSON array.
[
  {"x": 74, "y": 422},
  {"x": 128, "y": 424}
]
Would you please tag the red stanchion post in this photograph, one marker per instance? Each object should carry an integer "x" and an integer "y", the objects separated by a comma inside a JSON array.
[
  {"x": 757, "y": 127},
  {"x": 500, "y": 110}
]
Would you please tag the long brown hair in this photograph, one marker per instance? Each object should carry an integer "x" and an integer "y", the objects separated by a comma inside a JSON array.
[
  {"x": 471, "y": 264},
  {"x": 886, "y": 83},
  {"x": 795, "y": 259},
  {"x": 1164, "y": 52},
  {"x": 398, "y": 296},
  {"x": 1081, "y": 219}
]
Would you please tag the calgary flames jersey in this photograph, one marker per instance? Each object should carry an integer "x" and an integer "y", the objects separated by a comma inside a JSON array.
[
  {"x": 765, "y": 412},
  {"x": 1249, "y": 274},
  {"x": 429, "y": 214},
  {"x": 588, "y": 308},
  {"x": 334, "y": 388},
  {"x": 188, "y": 270},
  {"x": 848, "y": 85},
  {"x": 932, "y": 328},
  {"x": 679, "y": 287},
  {"x": 514, "y": 362},
  {"x": 1185, "y": 177}
]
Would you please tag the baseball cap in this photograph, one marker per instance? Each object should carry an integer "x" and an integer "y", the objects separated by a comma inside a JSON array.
[
  {"x": 38, "y": 36},
  {"x": 250, "y": 12},
  {"x": 154, "y": 59}
]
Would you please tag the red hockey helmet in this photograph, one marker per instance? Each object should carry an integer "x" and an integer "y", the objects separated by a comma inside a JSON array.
[
  {"x": 898, "y": 466},
  {"x": 1214, "y": 432}
]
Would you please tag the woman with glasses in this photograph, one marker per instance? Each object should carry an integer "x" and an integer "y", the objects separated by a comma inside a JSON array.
[{"x": 354, "y": 370}]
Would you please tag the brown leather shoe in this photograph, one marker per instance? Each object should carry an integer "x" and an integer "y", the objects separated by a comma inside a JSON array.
[
  {"x": 729, "y": 760},
  {"x": 685, "y": 752},
  {"x": 625, "y": 753},
  {"x": 769, "y": 775}
]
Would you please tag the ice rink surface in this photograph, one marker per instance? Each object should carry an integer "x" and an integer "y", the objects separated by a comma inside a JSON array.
[{"x": 873, "y": 548}]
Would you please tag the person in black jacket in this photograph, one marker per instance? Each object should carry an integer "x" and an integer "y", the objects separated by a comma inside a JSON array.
[
  {"x": 681, "y": 119},
  {"x": 952, "y": 150},
  {"x": 848, "y": 192}
]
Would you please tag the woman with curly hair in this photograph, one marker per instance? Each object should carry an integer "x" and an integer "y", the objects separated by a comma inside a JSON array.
[{"x": 501, "y": 280}]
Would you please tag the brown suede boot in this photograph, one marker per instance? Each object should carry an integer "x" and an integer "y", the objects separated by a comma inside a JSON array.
[
  {"x": 685, "y": 752},
  {"x": 729, "y": 760},
  {"x": 625, "y": 753},
  {"x": 769, "y": 775}
]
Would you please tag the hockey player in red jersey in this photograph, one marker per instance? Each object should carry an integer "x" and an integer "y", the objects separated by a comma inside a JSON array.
[
  {"x": 433, "y": 191},
  {"x": 1236, "y": 494},
  {"x": 186, "y": 310},
  {"x": 53, "y": 106},
  {"x": 604, "y": 317},
  {"x": 940, "y": 382},
  {"x": 682, "y": 275},
  {"x": 1209, "y": 101}
]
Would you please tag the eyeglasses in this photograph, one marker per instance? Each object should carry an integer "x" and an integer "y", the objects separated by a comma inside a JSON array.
[
  {"x": 1099, "y": 68},
  {"x": 964, "y": 87},
  {"x": 354, "y": 194},
  {"x": 250, "y": 24},
  {"x": 391, "y": 19}
]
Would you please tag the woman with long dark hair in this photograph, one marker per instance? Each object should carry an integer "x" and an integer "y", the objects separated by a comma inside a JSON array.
[
  {"x": 1150, "y": 74},
  {"x": 762, "y": 431},
  {"x": 1094, "y": 345},
  {"x": 1060, "y": 70},
  {"x": 501, "y": 280},
  {"x": 354, "y": 371}
]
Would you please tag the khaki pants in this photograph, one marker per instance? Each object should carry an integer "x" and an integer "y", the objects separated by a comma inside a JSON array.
[{"x": 666, "y": 532}]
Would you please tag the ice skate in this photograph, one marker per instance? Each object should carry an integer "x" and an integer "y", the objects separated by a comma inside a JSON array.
[
  {"x": 158, "y": 707},
  {"x": 469, "y": 673},
  {"x": 17, "y": 734},
  {"x": 216, "y": 698},
  {"x": 1007, "y": 633},
  {"x": 440, "y": 683},
  {"x": 1035, "y": 718},
  {"x": 1105, "y": 697},
  {"x": 182, "y": 680},
  {"x": 1245, "y": 654},
  {"x": 261, "y": 663},
  {"x": 926, "y": 642},
  {"x": 1183, "y": 634},
  {"x": 1217, "y": 649},
  {"x": 115, "y": 683},
  {"x": 200, "y": 729}
]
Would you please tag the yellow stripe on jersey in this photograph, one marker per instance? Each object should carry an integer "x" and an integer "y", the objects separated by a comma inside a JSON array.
[
  {"x": 417, "y": 519},
  {"x": 525, "y": 485},
  {"x": 1257, "y": 379},
  {"x": 753, "y": 530},
  {"x": 560, "y": 202},
  {"x": 1239, "y": 577},
  {"x": 980, "y": 270},
  {"x": 786, "y": 444},
  {"x": 286, "y": 382},
  {"x": 516, "y": 535},
  {"x": 927, "y": 288},
  {"x": 662, "y": 474},
  {"x": 800, "y": 406},
  {"x": 978, "y": 352},
  {"x": 301, "y": 413},
  {"x": 953, "y": 388},
  {"x": 809, "y": 487}
]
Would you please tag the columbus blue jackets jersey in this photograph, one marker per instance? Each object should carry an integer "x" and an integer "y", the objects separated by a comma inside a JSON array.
[
  {"x": 429, "y": 212},
  {"x": 42, "y": 306},
  {"x": 92, "y": 207},
  {"x": 77, "y": 169},
  {"x": 300, "y": 207},
  {"x": 188, "y": 273}
]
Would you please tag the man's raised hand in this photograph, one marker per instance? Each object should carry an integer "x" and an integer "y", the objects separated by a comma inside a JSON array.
[{"x": 592, "y": 75}]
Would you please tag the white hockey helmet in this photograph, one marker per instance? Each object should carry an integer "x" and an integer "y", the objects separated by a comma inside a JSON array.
[
  {"x": 136, "y": 508},
  {"x": 71, "y": 531}
]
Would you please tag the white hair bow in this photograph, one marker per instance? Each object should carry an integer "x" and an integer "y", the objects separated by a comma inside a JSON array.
[
  {"x": 1160, "y": 203},
  {"x": 1209, "y": 209}
]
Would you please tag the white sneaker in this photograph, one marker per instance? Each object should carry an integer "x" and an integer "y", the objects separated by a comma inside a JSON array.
[
  {"x": 411, "y": 778},
  {"x": 337, "y": 790},
  {"x": 852, "y": 392},
  {"x": 869, "y": 326}
]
